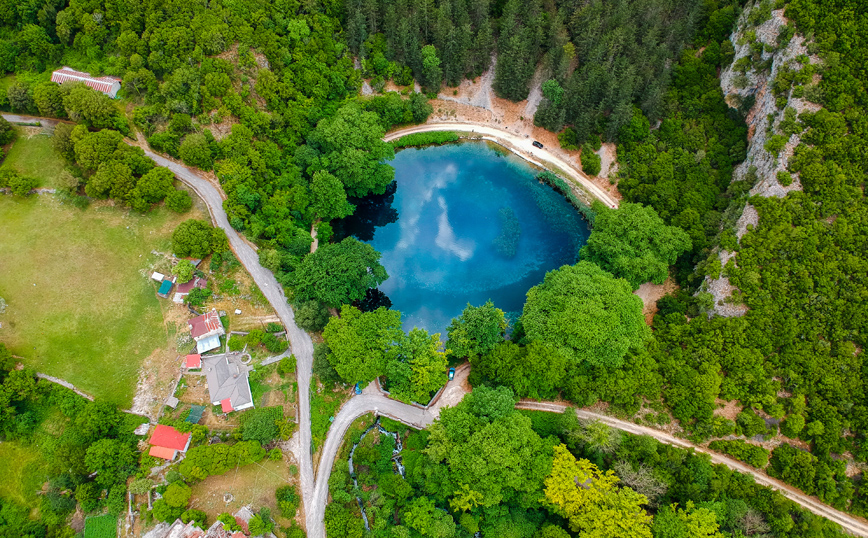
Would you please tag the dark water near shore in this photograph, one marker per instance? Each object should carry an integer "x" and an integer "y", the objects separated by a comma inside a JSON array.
[{"x": 463, "y": 224}]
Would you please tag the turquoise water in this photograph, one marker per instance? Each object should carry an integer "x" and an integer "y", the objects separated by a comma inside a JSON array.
[{"x": 464, "y": 225}]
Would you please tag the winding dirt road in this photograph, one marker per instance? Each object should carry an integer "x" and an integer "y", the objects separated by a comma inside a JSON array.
[
  {"x": 518, "y": 144},
  {"x": 315, "y": 493}
]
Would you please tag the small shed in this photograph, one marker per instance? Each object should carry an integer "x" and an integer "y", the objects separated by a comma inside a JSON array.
[
  {"x": 193, "y": 361},
  {"x": 165, "y": 288},
  {"x": 159, "y": 277},
  {"x": 172, "y": 402},
  {"x": 166, "y": 442},
  {"x": 106, "y": 85}
]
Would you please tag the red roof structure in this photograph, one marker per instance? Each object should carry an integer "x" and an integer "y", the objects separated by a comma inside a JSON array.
[
  {"x": 169, "y": 437},
  {"x": 106, "y": 85},
  {"x": 162, "y": 452},
  {"x": 187, "y": 287},
  {"x": 209, "y": 322},
  {"x": 226, "y": 405},
  {"x": 194, "y": 361}
]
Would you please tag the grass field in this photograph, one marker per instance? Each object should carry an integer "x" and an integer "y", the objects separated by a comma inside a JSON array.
[
  {"x": 105, "y": 526},
  {"x": 23, "y": 472},
  {"x": 80, "y": 306},
  {"x": 34, "y": 157}
]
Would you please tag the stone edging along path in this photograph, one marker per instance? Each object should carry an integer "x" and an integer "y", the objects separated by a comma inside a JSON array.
[{"x": 315, "y": 493}]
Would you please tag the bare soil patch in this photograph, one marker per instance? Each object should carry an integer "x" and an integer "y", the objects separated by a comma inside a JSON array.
[{"x": 651, "y": 293}]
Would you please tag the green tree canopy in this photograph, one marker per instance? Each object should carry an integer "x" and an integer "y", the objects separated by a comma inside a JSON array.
[
  {"x": 361, "y": 343},
  {"x": 476, "y": 331},
  {"x": 590, "y": 499},
  {"x": 339, "y": 273},
  {"x": 633, "y": 243},
  {"x": 193, "y": 238},
  {"x": 351, "y": 148},
  {"x": 329, "y": 197},
  {"x": 586, "y": 313},
  {"x": 112, "y": 460}
]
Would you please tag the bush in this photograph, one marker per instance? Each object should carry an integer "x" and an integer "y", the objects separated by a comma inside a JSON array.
[
  {"x": 198, "y": 296},
  {"x": 287, "y": 501},
  {"x": 437, "y": 138},
  {"x": 742, "y": 451},
  {"x": 273, "y": 344},
  {"x": 749, "y": 423},
  {"x": 273, "y": 328},
  {"x": 7, "y": 132},
  {"x": 196, "y": 151},
  {"x": 22, "y": 185},
  {"x": 204, "y": 461},
  {"x": 179, "y": 201},
  {"x": 275, "y": 454},
  {"x": 312, "y": 316},
  {"x": 286, "y": 366},
  {"x": 591, "y": 162}
]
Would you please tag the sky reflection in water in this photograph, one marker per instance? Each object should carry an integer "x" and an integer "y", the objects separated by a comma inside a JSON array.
[{"x": 441, "y": 249}]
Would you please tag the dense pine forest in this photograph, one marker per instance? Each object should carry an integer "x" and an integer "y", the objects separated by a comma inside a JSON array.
[{"x": 266, "y": 95}]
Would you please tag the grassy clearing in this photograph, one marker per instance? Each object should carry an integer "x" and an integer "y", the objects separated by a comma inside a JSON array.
[
  {"x": 324, "y": 404},
  {"x": 23, "y": 471},
  {"x": 34, "y": 157},
  {"x": 81, "y": 306},
  {"x": 105, "y": 526},
  {"x": 252, "y": 484}
]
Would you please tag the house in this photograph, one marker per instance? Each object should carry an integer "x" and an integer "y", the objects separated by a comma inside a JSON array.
[
  {"x": 165, "y": 288},
  {"x": 166, "y": 442},
  {"x": 106, "y": 85},
  {"x": 228, "y": 382},
  {"x": 179, "y": 529},
  {"x": 193, "y": 361},
  {"x": 184, "y": 289},
  {"x": 206, "y": 330}
]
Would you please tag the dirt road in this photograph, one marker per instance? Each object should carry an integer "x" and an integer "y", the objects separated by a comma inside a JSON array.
[{"x": 521, "y": 145}]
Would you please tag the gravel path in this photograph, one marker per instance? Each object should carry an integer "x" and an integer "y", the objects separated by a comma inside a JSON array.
[{"x": 315, "y": 495}]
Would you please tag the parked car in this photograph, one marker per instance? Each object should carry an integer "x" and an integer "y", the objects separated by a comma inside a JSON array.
[
  {"x": 451, "y": 374},
  {"x": 538, "y": 144},
  {"x": 357, "y": 389}
]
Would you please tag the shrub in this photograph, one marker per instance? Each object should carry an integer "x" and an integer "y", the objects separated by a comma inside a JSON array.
[
  {"x": 287, "y": 501},
  {"x": 591, "y": 162},
  {"x": 179, "y": 201},
  {"x": 286, "y": 366},
  {"x": 311, "y": 316},
  {"x": 273, "y": 328},
  {"x": 198, "y": 296},
  {"x": 7, "y": 132},
  {"x": 749, "y": 424},
  {"x": 425, "y": 139},
  {"x": 22, "y": 185},
  {"x": 742, "y": 451},
  {"x": 273, "y": 344}
]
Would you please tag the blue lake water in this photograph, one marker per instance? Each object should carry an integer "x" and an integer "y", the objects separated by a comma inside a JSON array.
[{"x": 465, "y": 224}]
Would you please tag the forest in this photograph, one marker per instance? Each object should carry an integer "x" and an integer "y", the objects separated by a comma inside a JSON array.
[{"x": 266, "y": 96}]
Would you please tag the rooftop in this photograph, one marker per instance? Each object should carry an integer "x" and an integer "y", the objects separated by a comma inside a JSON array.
[
  {"x": 187, "y": 287},
  {"x": 106, "y": 85},
  {"x": 228, "y": 380},
  {"x": 206, "y": 324},
  {"x": 169, "y": 437}
]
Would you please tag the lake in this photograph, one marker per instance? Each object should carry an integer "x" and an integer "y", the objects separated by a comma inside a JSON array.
[{"x": 464, "y": 223}]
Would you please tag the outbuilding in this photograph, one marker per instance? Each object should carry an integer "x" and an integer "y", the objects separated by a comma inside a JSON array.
[
  {"x": 167, "y": 442},
  {"x": 106, "y": 85}
]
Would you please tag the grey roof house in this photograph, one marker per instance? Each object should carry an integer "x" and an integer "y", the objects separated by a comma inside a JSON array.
[{"x": 228, "y": 382}]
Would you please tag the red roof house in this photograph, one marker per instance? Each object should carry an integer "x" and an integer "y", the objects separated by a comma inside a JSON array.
[
  {"x": 193, "y": 361},
  {"x": 167, "y": 442},
  {"x": 206, "y": 330},
  {"x": 106, "y": 85}
]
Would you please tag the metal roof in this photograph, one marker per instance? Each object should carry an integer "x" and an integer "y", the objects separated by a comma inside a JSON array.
[
  {"x": 227, "y": 381},
  {"x": 106, "y": 85},
  {"x": 162, "y": 452},
  {"x": 165, "y": 287},
  {"x": 169, "y": 437}
]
